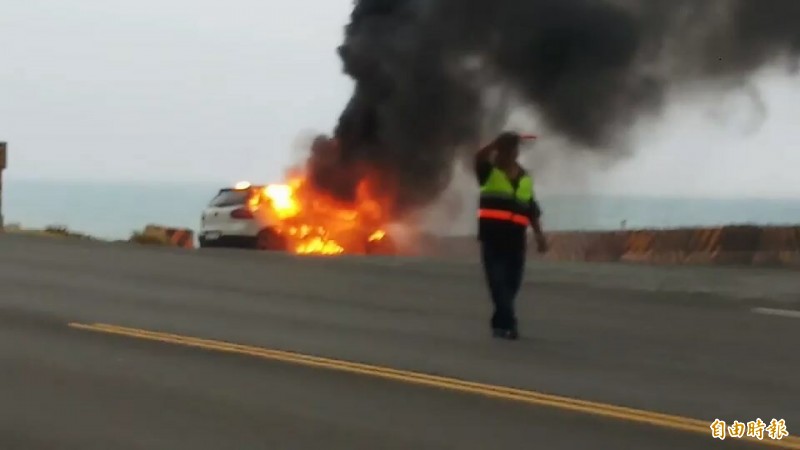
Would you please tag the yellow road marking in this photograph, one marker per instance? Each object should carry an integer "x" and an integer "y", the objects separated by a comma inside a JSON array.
[{"x": 453, "y": 384}]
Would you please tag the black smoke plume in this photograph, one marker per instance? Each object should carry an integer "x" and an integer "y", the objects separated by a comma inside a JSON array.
[{"x": 591, "y": 68}]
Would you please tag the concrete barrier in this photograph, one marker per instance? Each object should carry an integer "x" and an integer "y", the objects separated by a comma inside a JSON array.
[
  {"x": 607, "y": 247},
  {"x": 671, "y": 246},
  {"x": 778, "y": 246},
  {"x": 566, "y": 246},
  {"x": 738, "y": 244},
  {"x": 577, "y": 246}
]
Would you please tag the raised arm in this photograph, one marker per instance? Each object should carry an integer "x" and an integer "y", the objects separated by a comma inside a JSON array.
[
  {"x": 486, "y": 154},
  {"x": 484, "y": 159}
]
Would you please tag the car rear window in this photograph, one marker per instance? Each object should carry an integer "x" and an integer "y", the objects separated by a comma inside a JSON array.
[{"x": 230, "y": 198}]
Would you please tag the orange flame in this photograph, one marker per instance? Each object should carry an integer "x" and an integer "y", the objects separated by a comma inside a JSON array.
[
  {"x": 315, "y": 223},
  {"x": 283, "y": 202}
]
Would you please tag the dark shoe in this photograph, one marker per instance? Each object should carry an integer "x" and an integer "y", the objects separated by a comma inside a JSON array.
[{"x": 511, "y": 335}]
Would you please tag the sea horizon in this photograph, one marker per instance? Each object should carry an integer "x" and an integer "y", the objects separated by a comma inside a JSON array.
[{"x": 114, "y": 210}]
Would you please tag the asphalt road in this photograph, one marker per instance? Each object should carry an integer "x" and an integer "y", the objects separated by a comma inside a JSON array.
[{"x": 654, "y": 339}]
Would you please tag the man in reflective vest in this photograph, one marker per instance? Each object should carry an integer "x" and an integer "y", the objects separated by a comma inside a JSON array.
[{"x": 507, "y": 208}]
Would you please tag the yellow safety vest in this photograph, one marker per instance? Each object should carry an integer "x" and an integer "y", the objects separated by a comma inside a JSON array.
[{"x": 500, "y": 201}]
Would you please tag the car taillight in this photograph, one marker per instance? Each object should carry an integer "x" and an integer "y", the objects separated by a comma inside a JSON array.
[{"x": 242, "y": 213}]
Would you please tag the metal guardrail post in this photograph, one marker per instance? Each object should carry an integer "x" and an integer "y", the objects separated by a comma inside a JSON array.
[{"x": 3, "y": 160}]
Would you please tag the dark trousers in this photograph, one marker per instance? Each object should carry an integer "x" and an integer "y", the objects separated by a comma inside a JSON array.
[{"x": 504, "y": 268}]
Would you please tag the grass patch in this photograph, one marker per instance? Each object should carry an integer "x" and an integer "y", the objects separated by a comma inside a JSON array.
[
  {"x": 52, "y": 231},
  {"x": 63, "y": 232}
]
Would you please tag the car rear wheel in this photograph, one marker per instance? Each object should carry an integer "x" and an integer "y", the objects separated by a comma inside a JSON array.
[
  {"x": 203, "y": 243},
  {"x": 268, "y": 239}
]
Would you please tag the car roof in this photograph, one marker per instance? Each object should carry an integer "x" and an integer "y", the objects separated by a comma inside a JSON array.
[{"x": 233, "y": 188}]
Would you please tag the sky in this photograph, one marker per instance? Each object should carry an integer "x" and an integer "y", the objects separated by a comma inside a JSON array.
[
  {"x": 172, "y": 90},
  {"x": 205, "y": 91}
]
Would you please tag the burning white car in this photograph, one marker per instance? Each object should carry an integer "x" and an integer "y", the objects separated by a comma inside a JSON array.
[{"x": 291, "y": 217}]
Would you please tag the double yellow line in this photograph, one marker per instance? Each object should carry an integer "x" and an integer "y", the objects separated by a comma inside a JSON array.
[{"x": 453, "y": 384}]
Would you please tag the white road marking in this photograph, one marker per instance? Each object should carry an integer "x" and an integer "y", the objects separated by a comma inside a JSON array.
[{"x": 777, "y": 312}]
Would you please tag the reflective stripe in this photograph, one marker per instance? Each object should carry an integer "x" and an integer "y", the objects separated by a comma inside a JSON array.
[
  {"x": 500, "y": 200},
  {"x": 499, "y": 214}
]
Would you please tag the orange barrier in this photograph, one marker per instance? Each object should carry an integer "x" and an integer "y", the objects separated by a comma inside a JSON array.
[
  {"x": 704, "y": 240},
  {"x": 638, "y": 246},
  {"x": 181, "y": 237},
  {"x": 176, "y": 237},
  {"x": 703, "y": 246}
]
